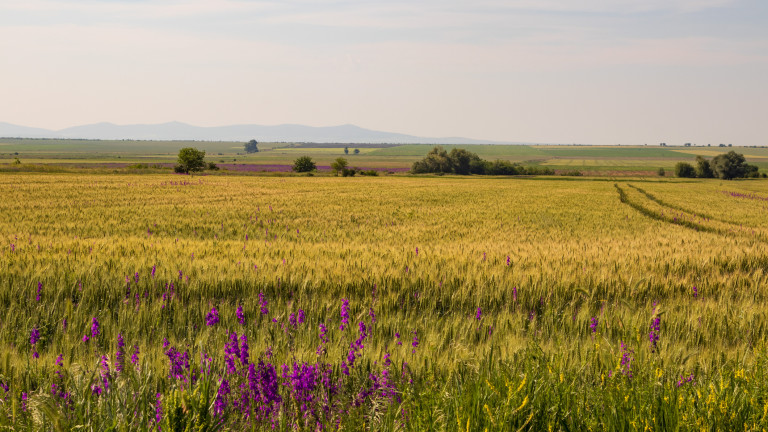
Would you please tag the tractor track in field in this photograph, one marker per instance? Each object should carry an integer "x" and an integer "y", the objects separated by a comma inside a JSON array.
[{"x": 696, "y": 226}]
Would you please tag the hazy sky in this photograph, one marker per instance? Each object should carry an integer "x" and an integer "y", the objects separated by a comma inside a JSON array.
[{"x": 583, "y": 71}]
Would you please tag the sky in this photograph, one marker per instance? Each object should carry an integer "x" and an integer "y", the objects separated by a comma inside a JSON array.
[{"x": 548, "y": 71}]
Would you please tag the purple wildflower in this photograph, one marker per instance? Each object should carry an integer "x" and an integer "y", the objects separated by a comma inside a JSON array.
[
  {"x": 684, "y": 380},
  {"x": 263, "y": 304},
  {"x": 86, "y": 338},
  {"x": 59, "y": 360},
  {"x": 478, "y": 314},
  {"x": 653, "y": 335},
  {"x": 372, "y": 315},
  {"x": 415, "y": 342},
  {"x": 154, "y": 268},
  {"x": 301, "y": 317},
  {"x": 64, "y": 324},
  {"x": 695, "y": 292},
  {"x": 626, "y": 360},
  {"x": 120, "y": 354},
  {"x": 220, "y": 404},
  {"x": 158, "y": 409},
  {"x": 244, "y": 349},
  {"x": 135, "y": 356},
  {"x": 39, "y": 289},
  {"x": 94, "y": 328},
  {"x": 507, "y": 260},
  {"x": 34, "y": 336},
  {"x": 344, "y": 313},
  {"x": 240, "y": 315},
  {"x": 212, "y": 318},
  {"x": 397, "y": 336},
  {"x": 593, "y": 324},
  {"x": 292, "y": 320},
  {"x": 136, "y": 277}
]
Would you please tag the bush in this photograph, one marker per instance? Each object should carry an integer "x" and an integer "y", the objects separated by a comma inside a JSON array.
[
  {"x": 703, "y": 168},
  {"x": 685, "y": 170},
  {"x": 338, "y": 165},
  {"x": 304, "y": 164},
  {"x": 212, "y": 166},
  {"x": 348, "y": 172},
  {"x": 373, "y": 173},
  {"x": 661, "y": 172}
]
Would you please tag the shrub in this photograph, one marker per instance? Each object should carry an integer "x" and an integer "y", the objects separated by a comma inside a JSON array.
[
  {"x": 338, "y": 165},
  {"x": 574, "y": 173},
  {"x": 703, "y": 168},
  {"x": 685, "y": 170},
  {"x": 731, "y": 165},
  {"x": 191, "y": 160},
  {"x": 304, "y": 164}
]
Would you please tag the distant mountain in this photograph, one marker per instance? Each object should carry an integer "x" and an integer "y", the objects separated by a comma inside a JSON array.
[{"x": 181, "y": 131}]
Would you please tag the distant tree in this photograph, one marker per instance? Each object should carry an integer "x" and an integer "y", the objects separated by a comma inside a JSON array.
[
  {"x": 731, "y": 165},
  {"x": 346, "y": 150},
  {"x": 684, "y": 169},
  {"x": 251, "y": 146},
  {"x": 661, "y": 172},
  {"x": 687, "y": 144},
  {"x": 436, "y": 161},
  {"x": 304, "y": 164},
  {"x": 461, "y": 160},
  {"x": 212, "y": 166},
  {"x": 190, "y": 160},
  {"x": 357, "y": 151},
  {"x": 338, "y": 165},
  {"x": 703, "y": 168}
]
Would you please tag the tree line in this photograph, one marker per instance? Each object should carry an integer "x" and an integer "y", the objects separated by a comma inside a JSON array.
[
  {"x": 726, "y": 166},
  {"x": 463, "y": 162}
]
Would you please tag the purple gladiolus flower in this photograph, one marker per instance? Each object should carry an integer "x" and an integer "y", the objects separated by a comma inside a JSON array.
[
  {"x": 154, "y": 268},
  {"x": 653, "y": 335},
  {"x": 39, "y": 289},
  {"x": 479, "y": 314},
  {"x": 417, "y": 251},
  {"x": 301, "y": 317},
  {"x": 158, "y": 409},
  {"x": 344, "y": 313},
  {"x": 86, "y": 338},
  {"x": 263, "y": 304},
  {"x": 135, "y": 356},
  {"x": 64, "y": 324},
  {"x": 95, "y": 328},
  {"x": 372, "y": 315},
  {"x": 292, "y": 320},
  {"x": 212, "y": 318},
  {"x": 120, "y": 354},
  {"x": 34, "y": 336},
  {"x": 397, "y": 336},
  {"x": 593, "y": 324},
  {"x": 220, "y": 404},
  {"x": 626, "y": 360},
  {"x": 136, "y": 277},
  {"x": 240, "y": 315},
  {"x": 695, "y": 292},
  {"x": 684, "y": 380},
  {"x": 507, "y": 260},
  {"x": 59, "y": 360},
  {"x": 415, "y": 342},
  {"x": 244, "y": 349}
]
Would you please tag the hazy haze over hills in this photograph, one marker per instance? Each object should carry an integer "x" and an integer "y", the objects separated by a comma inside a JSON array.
[{"x": 182, "y": 131}]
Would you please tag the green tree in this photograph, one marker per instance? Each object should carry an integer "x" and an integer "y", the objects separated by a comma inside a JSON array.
[
  {"x": 190, "y": 160},
  {"x": 703, "y": 168},
  {"x": 346, "y": 150},
  {"x": 304, "y": 164},
  {"x": 357, "y": 151},
  {"x": 338, "y": 165},
  {"x": 731, "y": 165},
  {"x": 684, "y": 169},
  {"x": 462, "y": 160},
  {"x": 436, "y": 161},
  {"x": 661, "y": 172},
  {"x": 252, "y": 146}
]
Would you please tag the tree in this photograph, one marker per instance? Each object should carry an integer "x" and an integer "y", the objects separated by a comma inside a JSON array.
[
  {"x": 684, "y": 169},
  {"x": 338, "y": 165},
  {"x": 703, "y": 168},
  {"x": 304, "y": 164},
  {"x": 661, "y": 172},
  {"x": 346, "y": 150},
  {"x": 357, "y": 151},
  {"x": 436, "y": 161},
  {"x": 731, "y": 165},
  {"x": 462, "y": 160},
  {"x": 252, "y": 146},
  {"x": 190, "y": 160}
]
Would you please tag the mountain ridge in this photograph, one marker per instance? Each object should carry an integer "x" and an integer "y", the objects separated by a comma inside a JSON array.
[{"x": 175, "y": 130}]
